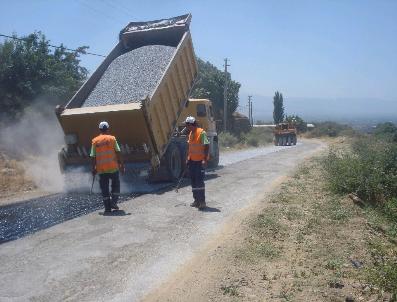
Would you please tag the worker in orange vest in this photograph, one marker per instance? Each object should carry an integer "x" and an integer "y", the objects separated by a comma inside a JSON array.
[
  {"x": 107, "y": 162},
  {"x": 196, "y": 160}
]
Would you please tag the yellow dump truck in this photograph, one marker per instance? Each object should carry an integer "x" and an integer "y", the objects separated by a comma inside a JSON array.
[{"x": 141, "y": 89}]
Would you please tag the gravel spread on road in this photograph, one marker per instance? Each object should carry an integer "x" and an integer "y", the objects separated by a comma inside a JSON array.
[{"x": 131, "y": 77}]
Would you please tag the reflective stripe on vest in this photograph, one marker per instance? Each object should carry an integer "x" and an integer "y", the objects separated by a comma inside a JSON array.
[
  {"x": 196, "y": 148},
  {"x": 106, "y": 159}
]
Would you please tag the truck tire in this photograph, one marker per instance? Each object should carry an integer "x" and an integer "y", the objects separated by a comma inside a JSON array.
[
  {"x": 214, "y": 161},
  {"x": 289, "y": 140},
  {"x": 173, "y": 159},
  {"x": 284, "y": 143},
  {"x": 294, "y": 140}
]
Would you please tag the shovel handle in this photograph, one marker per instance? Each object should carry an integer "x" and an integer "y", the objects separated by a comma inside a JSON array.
[{"x": 92, "y": 185}]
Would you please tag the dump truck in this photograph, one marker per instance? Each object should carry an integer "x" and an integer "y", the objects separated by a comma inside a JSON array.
[
  {"x": 141, "y": 89},
  {"x": 285, "y": 134}
]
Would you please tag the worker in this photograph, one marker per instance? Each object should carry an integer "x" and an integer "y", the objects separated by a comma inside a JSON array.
[
  {"x": 107, "y": 162},
  {"x": 196, "y": 160}
]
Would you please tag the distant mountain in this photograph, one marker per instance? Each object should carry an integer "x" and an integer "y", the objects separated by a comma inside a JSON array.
[{"x": 321, "y": 109}]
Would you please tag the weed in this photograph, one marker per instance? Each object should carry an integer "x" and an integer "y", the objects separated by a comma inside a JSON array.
[
  {"x": 227, "y": 140},
  {"x": 333, "y": 264},
  {"x": 383, "y": 273},
  {"x": 230, "y": 290},
  {"x": 338, "y": 212},
  {"x": 267, "y": 250},
  {"x": 293, "y": 213}
]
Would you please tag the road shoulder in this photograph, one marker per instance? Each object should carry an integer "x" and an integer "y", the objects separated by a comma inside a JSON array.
[{"x": 301, "y": 243}]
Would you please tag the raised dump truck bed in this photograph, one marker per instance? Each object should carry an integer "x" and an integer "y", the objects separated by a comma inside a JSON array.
[{"x": 140, "y": 89}]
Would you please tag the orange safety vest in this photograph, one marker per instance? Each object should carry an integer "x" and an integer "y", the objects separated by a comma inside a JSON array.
[
  {"x": 196, "y": 148},
  {"x": 106, "y": 159}
]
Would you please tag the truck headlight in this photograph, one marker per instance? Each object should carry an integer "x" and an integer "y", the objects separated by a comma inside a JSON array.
[{"x": 71, "y": 139}]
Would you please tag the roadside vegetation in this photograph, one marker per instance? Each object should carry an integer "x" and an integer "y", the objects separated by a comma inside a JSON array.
[
  {"x": 12, "y": 177},
  {"x": 329, "y": 234},
  {"x": 254, "y": 138},
  {"x": 367, "y": 170},
  {"x": 330, "y": 129}
]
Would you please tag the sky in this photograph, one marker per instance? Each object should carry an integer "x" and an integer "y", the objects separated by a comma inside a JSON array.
[{"x": 325, "y": 49}]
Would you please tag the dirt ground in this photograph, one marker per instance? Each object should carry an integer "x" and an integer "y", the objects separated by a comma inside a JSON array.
[{"x": 301, "y": 244}]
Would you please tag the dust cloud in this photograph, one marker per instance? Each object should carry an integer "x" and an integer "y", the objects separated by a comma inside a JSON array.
[{"x": 35, "y": 140}]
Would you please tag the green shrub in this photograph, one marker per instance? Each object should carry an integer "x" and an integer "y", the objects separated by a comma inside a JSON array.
[
  {"x": 386, "y": 131},
  {"x": 258, "y": 136},
  {"x": 369, "y": 170},
  {"x": 227, "y": 140},
  {"x": 330, "y": 129}
]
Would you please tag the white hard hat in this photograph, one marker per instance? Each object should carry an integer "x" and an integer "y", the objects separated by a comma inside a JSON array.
[
  {"x": 103, "y": 125},
  {"x": 190, "y": 120}
]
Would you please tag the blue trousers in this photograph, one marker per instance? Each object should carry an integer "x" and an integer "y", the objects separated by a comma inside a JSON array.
[{"x": 197, "y": 173}]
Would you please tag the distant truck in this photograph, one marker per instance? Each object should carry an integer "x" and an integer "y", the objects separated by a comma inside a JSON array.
[
  {"x": 141, "y": 89},
  {"x": 285, "y": 134}
]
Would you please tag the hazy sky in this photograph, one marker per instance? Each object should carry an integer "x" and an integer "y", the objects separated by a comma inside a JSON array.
[{"x": 318, "y": 48}]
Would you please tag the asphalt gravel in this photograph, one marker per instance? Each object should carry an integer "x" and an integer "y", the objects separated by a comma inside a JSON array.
[
  {"x": 19, "y": 220},
  {"x": 131, "y": 77}
]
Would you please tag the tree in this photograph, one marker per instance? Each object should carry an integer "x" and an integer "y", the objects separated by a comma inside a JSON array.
[
  {"x": 299, "y": 123},
  {"x": 278, "y": 111},
  {"x": 31, "y": 72},
  {"x": 210, "y": 83}
]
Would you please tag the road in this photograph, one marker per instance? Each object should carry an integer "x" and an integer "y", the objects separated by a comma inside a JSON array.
[{"x": 125, "y": 256}]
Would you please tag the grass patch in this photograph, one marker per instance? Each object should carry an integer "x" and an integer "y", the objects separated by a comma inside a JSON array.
[
  {"x": 383, "y": 272},
  {"x": 230, "y": 290}
]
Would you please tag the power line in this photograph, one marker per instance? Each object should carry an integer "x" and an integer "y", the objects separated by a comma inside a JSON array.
[{"x": 24, "y": 40}]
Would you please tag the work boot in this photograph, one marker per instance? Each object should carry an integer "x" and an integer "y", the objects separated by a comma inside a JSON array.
[
  {"x": 106, "y": 203},
  {"x": 114, "y": 205},
  {"x": 194, "y": 204},
  {"x": 202, "y": 205}
]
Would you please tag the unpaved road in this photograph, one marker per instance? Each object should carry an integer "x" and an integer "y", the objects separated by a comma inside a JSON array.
[{"x": 123, "y": 258}]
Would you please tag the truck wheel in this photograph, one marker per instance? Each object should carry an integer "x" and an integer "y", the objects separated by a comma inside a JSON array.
[
  {"x": 213, "y": 163},
  {"x": 173, "y": 161},
  {"x": 289, "y": 140},
  {"x": 294, "y": 140},
  {"x": 284, "y": 143},
  {"x": 280, "y": 141}
]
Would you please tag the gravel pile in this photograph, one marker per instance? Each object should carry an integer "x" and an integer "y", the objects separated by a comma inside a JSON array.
[{"x": 131, "y": 77}]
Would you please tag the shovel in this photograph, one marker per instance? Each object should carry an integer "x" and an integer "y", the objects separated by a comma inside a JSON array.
[{"x": 180, "y": 181}]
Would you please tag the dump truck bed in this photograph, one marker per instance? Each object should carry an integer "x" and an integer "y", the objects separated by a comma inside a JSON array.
[{"x": 140, "y": 89}]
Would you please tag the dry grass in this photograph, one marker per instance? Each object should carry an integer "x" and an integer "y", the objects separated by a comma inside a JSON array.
[
  {"x": 12, "y": 177},
  {"x": 307, "y": 245}
]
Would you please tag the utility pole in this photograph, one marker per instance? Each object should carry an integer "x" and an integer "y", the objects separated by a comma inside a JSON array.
[
  {"x": 250, "y": 109},
  {"x": 225, "y": 98}
]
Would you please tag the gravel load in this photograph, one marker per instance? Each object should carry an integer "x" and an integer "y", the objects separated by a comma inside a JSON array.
[{"x": 131, "y": 77}]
